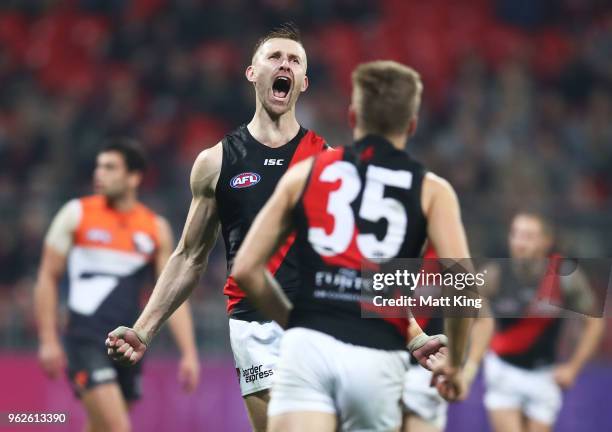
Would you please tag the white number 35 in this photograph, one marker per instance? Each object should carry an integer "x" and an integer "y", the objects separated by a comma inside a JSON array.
[{"x": 374, "y": 207}]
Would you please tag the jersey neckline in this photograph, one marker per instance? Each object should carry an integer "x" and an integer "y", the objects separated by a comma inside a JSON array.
[{"x": 293, "y": 141}]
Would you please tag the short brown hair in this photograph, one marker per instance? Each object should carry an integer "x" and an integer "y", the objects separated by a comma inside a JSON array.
[
  {"x": 286, "y": 30},
  {"x": 131, "y": 151},
  {"x": 389, "y": 96}
]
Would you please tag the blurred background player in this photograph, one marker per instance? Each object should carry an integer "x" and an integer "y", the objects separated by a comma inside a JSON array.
[
  {"x": 523, "y": 383},
  {"x": 425, "y": 410},
  {"x": 337, "y": 370},
  {"x": 110, "y": 244},
  {"x": 230, "y": 183}
]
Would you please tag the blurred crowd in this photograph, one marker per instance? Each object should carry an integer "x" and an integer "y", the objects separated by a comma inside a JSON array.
[{"x": 516, "y": 113}]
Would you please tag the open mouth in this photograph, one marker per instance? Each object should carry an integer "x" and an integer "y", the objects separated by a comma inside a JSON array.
[{"x": 281, "y": 87}]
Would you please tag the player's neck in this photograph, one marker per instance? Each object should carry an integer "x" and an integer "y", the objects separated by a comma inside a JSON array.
[
  {"x": 398, "y": 141},
  {"x": 124, "y": 203},
  {"x": 533, "y": 267},
  {"x": 273, "y": 131}
]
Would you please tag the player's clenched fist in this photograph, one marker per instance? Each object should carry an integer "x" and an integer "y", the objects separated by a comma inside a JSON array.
[
  {"x": 421, "y": 347},
  {"x": 125, "y": 345}
]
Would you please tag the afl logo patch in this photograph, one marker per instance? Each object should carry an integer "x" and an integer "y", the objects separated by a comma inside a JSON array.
[
  {"x": 245, "y": 180},
  {"x": 143, "y": 242}
]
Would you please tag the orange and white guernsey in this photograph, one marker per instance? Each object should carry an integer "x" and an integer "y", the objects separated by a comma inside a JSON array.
[{"x": 110, "y": 259}]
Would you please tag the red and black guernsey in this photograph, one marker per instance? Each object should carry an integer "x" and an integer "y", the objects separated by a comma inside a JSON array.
[
  {"x": 528, "y": 342},
  {"x": 359, "y": 203},
  {"x": 249, "y": 173}
]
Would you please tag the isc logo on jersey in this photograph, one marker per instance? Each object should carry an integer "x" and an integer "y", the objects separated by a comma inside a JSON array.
[{"x": 245, "y": 180}]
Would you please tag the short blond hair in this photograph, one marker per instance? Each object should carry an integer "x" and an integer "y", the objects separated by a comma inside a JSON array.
[
  {"x": 286, "y": 30},
  {"x": 388, "y": 96}
]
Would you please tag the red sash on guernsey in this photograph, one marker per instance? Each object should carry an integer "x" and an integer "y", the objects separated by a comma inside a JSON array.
[
  {"x": 309, "y": 146},
  {"x": 523, "y": 334}
]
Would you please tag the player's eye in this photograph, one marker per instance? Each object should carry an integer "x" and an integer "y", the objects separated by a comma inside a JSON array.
[{"x": 296, "y": 60}]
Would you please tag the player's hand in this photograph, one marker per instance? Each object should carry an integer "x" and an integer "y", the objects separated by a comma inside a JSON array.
[
  {"x": 565, "y": 376},
  {"x": 189, "y": 372},
  {"x": 447, "y": 379},
  {"x": 423, "y": 346},
  {"x": 125, "y": 346},
  {"x": 52, "y": 358}
]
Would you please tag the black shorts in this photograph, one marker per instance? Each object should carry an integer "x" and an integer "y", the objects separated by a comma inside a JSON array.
[{"x": 89, "y": 366}]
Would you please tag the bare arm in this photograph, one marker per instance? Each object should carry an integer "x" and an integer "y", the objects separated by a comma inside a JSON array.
[
  {"x": 269, "y": 230},
  {"x": 588, "y": 342},
  {"x": 583, "y": 300},
  {"x": 53, "y": 265},
  {"x": 188, "y": 261},
  {"x": 480, "y": 336},
  {"x": 180, "y": 322},
  {"x": 445, "y": 231},
  {"x": 580, "y": 298},
  {"x": 414, "y": 329},
  {"x": 483, "y": 327},
  {"x": 184, "y": 268}
]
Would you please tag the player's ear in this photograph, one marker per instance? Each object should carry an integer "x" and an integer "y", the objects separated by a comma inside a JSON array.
[
  {"x": 352, "y": 116},
  {"x": 412, "y": 126},
  {"x": 135, "y": 179},
  {"x": 250, "y": 73},
  {"x": 305, "y": 84}
]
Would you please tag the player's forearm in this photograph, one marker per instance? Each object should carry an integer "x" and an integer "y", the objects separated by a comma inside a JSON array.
[
  {"x": 181, "y": 326},
  {"x": 175, "y": 284},
  {"x": 45, "y": 306},
  {"x": 588, "y": 343},
  {"x": 457, "y": 330},
  {"x": 414, "y": 329},
  {"x": 265, "y": 293},
  {"x": 480, "y": 336}
]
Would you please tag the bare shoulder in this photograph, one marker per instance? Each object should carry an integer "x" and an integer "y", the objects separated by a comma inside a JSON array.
[
  {"x": 68, "y": 217},
  {"x": 435, "y": 187},
  {"x": 205, "y": 171},
  {"x": 163, "y": 226},
  {"x": 436, "y": 183}
]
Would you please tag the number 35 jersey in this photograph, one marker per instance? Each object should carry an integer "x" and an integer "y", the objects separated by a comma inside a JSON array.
[
  {"x": 359, "y": 203},
  {"x": 109, "y": 265}
]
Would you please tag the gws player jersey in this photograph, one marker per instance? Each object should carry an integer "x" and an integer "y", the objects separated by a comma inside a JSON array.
[
  {"x": 249, "y": 173},
  {"x": 359, "y": 202},
  {"x": 110, "y": 262}
]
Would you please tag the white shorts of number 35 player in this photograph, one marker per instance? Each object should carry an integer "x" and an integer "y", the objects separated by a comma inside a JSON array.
[
  {"x": 256, "y": 349},
  {"x": 317, "y": 372},
  {"x": 422, "y": 400}
]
